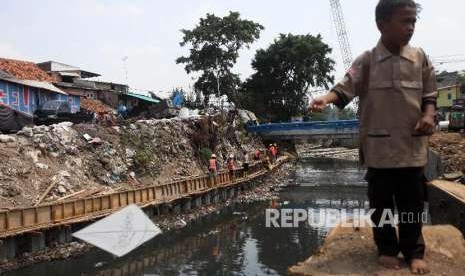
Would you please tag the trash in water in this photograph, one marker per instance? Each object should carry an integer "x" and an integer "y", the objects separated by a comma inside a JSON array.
[
  {"x": 180, "y": 224},
  {"x": 121, "y": 232}
]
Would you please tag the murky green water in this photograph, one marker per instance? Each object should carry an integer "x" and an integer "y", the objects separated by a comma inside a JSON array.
[{"x": 234, "y": 241}]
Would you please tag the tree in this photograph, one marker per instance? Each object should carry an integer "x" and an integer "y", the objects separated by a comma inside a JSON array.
[
  {"x": 215, "y": 43},
  {"x": 284, "y": 73},
  {"x": 331, "y": 113}
]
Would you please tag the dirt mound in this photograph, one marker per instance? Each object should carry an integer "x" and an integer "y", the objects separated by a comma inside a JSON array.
[
  {"x": 351, "y": 251},
  {"x": 451, "y": 148},
  {"x": 95, "y": 106},
  {"x": 71, "y": 158}
]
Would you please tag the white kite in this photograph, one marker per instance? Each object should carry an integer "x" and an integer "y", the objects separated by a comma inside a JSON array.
[{"x": 121, "y": 232}]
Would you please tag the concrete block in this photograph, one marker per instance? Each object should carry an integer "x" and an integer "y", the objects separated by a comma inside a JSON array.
[
  {"x": 196, "y": 202},
  {"x": 149, "y": 211},
  {"x": 187, "y": 206},
  {"x": 206, "y": 199},
  {"x": 31, "y": 242},
  {"x": 7, "y": 248},
  {"x": 177, "y": 209}
]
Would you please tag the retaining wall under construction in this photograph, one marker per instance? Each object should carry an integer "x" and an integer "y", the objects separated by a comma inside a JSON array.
[{"x": 30, "y": 229}]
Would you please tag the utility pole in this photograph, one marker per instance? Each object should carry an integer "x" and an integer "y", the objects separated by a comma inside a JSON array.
[{"x": 125, "y": 66}]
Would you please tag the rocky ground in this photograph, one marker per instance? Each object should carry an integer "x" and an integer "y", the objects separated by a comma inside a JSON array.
[
  {"x": 75, "y": 159},
  {"x": 267, "y": 188}
]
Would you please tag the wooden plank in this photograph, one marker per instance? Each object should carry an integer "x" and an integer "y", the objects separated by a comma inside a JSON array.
[
  {"x": 71, "y": 195},
  {"x": 29, "y": 217},
  {"x": 68, "y": 210},
  {"x": 123, "y": 199},
  {"x": 79, "y": 207},
  {"x": 454, "y": 189},
  {"x": 49, "y": 188},
  {"x": 105, "y": 202},
  {"x": 89, "y": 205},
  {"x": 15, "y": 219}
]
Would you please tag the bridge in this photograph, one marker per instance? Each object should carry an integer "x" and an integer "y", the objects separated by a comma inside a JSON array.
[{"x": 343, "y": 129}]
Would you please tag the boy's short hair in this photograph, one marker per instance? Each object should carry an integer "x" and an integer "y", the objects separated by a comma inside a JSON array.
[{"x": 385, "y": 8}]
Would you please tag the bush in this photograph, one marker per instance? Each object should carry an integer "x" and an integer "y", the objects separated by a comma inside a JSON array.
[{"x": 205, "y": 154}]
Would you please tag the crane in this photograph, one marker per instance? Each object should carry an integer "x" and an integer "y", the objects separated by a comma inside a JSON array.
[{"x": 343, "y": 38}]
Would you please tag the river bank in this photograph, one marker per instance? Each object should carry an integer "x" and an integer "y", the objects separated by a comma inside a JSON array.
[
  {"x": 46, "y": 164},
  {"x": 266, "y": 187},
  {"x": 234, "y": 239}
]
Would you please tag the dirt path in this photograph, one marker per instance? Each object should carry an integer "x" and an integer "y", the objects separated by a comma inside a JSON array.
[{"x": 351, "y": 251}]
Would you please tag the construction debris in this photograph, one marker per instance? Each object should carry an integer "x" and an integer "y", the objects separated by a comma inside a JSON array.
[
  {"x": 95, "y": 106},
  {"x": 319, "y": 150},
  {"x": 451, "y": 148},
  {"x": 90, "y": 156}
]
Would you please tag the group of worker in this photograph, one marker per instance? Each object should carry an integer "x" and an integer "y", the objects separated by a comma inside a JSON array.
[{"x": 232, "y": 163}]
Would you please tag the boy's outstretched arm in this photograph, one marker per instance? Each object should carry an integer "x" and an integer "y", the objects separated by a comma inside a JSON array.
[
  {"x": 319, "y": 103},
  {"x": 353, "y": 83}
]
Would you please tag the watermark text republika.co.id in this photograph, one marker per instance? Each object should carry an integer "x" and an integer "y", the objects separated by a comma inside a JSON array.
[{"x": 330, "y": 217}]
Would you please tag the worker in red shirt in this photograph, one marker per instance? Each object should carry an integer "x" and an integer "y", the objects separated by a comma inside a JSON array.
[
  {"x": 257, "y": 155},
  {"x": 212, "y": 169}
]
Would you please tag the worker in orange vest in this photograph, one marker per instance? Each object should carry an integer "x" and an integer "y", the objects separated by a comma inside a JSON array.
[{"x": 212, "y": 169}]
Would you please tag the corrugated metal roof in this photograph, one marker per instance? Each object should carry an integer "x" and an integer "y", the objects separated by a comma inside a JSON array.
[
  {"x": 447, "y": 79},
  {"x": 38, "y": 84},
  {"x": 69, "y": 74},
  {"x": 143, "y": 97}
]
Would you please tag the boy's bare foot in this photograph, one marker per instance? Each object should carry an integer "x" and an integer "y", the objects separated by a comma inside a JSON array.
[
  {"x": 418, "y": 266},
  {"x": 389, "y": 262}
]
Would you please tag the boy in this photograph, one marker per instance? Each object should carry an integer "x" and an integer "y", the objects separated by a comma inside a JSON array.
[{"x": 396, "y": 87}]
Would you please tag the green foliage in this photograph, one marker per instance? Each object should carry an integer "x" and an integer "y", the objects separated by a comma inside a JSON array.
[
  {"x": 143, "y": 158},
  {"x": 215, "y": 43},
  {"x": 332, "y": 113},
  {"x": 284, "y": 73},
  {"x": 461, "y": 78},
  {"x": 205, "y": 154}
]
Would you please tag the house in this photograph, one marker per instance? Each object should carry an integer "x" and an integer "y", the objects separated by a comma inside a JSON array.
[
  {"x": 24, "y": 87},
  {"x": 450, "y": 88},
  {"x": 75, "y": 81}
]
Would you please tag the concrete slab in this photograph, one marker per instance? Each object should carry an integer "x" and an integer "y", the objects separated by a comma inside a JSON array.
[{"x": 351, "y": 251}]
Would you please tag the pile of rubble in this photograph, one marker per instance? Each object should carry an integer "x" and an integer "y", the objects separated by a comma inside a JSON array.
[
  {"x": 95, "y": 106},
  {"x": 50, "y": 163},
  {"x": 282, "y": 178},
  {"x": 319, "y": 150},
  {"x": 451, "y": 148}
]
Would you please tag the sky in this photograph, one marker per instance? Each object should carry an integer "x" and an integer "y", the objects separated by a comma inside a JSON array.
[{"x": 96, "y": 35}]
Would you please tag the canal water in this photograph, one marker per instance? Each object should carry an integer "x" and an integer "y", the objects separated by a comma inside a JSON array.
[{"x": 235, "y": 240}]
